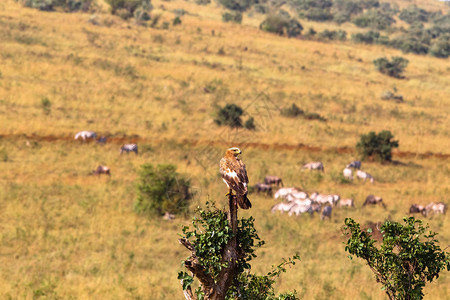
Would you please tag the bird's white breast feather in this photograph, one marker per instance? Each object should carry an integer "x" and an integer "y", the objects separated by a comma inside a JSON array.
[{"x": 231, "y": 174}]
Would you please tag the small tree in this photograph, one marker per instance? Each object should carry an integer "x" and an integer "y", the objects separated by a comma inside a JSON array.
[
  {"x": 230, "y": 115},
  {"x": 406, "y": 259},
  {"x": 129, "y": 8},
  {"x": 281, "y": 24},
  {"x": 377, "y": 146},
  {"x": 393, "y": 68},
  {"x": 221, "y": 248},
  {"x": 161, "y": 189}
]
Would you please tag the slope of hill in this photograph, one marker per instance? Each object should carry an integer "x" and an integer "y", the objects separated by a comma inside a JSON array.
[{"x": 69, "y": 235}]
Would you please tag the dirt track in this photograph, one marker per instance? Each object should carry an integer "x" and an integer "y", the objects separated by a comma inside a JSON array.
[{"x": 263, "y": 146}]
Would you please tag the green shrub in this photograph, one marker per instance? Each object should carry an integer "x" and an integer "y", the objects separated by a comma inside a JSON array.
[
  {"x": 317, "y": 14},
  {"x": 413, "y": 14},
  {"x": 161, "y": 189},
  {"x": 393, "y": 68},
  {"x": 176, "y": 21},
  {"x": 333, "y": 35},
  {"x": 250, "y": 124},
  {"x": 314, "y": 116},
  {"x": 230, "y": 115},
  {"x": 46, "y": 105},
  {"x": 281, "y": 24},
  {"x": 370, "y": 37},
  {"x": 127, "y": 8},
  {"x": 374, "y": 18},
  {"x": 292, "y": 111},
  {"x": 238, "y": 5},
  {"x": 441, "y": 47},
  {"x": 235, "y": 17},
  {"x": 408, "y": 257},
  {"x": 66, "y": 5},
  {"x": 377, "y": 146}
]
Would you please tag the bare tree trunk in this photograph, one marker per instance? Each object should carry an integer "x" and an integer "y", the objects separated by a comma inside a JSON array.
[{"x": 213, "y": 290}]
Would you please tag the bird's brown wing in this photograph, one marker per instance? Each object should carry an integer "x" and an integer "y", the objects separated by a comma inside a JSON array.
[{"x": 233, "y": 175}]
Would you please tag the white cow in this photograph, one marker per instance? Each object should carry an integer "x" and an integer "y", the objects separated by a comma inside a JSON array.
[
  {"x": 346, "y": 203},
  {"x": 86, "y": 135},
  {"x": 282, "y": 206},
  {"x": 364, "y": 175},
  {"x": 283, "y": 192},
  {"x": 435, "y": 208},
  {"x": 296, "y": 195},
  {"x": 331, "y": 199},
  {"x": 348, "y": 173},
  {"x": 316, "y": 165},
  {"x": 300, "y": 207}
]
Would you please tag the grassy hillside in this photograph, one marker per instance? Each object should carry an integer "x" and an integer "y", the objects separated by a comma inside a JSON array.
[{"x": 68, "y": 235}]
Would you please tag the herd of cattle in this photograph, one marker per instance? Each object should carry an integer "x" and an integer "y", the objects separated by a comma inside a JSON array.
[
  {"x": 91, "y": 135},
  {"x": 296, "y": 201}
]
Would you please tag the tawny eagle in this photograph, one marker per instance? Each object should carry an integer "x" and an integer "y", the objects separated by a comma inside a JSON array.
[{"x": 235, "y": 177}]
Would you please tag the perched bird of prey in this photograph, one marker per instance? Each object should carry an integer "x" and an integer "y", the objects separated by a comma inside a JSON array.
[{"x": 235, "y": 177}]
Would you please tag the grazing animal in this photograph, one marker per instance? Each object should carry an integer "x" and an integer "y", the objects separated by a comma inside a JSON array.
[
  {"x": 364, "y": 175},
  {"x": 129, "y": 148},
  {"x": 346, "y": 203},
  {"x": 264, "y": 188},
  {"x": 283, "y": 192},
  {"x": 102, "y": 170},
  {"x": 373, "y": 200},
  {"x": 301, "y": 207},
  {"x": 235, "y": 176},
  {"x": 435, "y": 208},
  {"x": 317, "y": 165},
  {"x": 282, "y": 206},
  {"x": 326, "y": 212},
  {"x": 356, "y": 164},
  {"x": 85, "y": 135},
  {"x": 102, "y": 140},
  {"x": 273, "y": 180},
  {"x": 325, "y": 198},
  {"x": 348, "y": 173},
  {"x": 416, "y": 208},
  {"x": 168, "y": 216},
  {"x": 296, "y": 195}
]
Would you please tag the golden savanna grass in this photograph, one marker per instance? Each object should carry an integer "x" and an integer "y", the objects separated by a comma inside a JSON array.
[{"x": 68, "y": 235}]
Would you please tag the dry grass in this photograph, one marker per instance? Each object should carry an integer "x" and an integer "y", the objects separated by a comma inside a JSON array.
[{"x": 65, "y": 234}]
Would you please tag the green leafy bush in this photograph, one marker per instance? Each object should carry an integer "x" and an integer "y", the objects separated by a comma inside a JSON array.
[
  {"x": 374, "y": 18},
  {"x": 281, "y": 24},
  {"x": 46, "y": 105},
  {"x": 333, "y": 35},
  {"x": 378, "y": 146},
  {"x": 161, "y": 189},
  {"x": 393, "y": 68},
  {"x": 413, "y": 14},
  {"x": 235, "y": 17},
  {"x": 292, "y": 111},
  {"x": 250, "y": 124},
  {"x": 209, "y": 236},
  {"x": 407, "y": 258},
  {"x": 370, "y": 37},
  {"x": 130, "y": 8},
  {"x": 441, "y": 47},
  {"x": 229, "y": 115},
  {"x": 66, "y": 5},
  {"x": 238, "y": 5}
]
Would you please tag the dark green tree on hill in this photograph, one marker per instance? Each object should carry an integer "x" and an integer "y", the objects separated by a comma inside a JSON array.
[
  {"x": 393, "y": 68},
  {"x": 377, "y": 146},
  {"x": 407, "y": 258}
]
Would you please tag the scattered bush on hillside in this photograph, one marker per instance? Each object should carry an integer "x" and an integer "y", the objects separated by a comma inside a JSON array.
[
  {"x": 250, "y": 124},
  {"x": 131, "y": 8},
  {"x": 314, "y": 116},
  {"x": 413, "y": 14},
  {"x": 441, "y": 47},
  {"x": 176, "y": 21},
  {"x": 407, "y": 258},
  {"x": 280, "y": 24},
  {"x": 332, "y": 35},
  {"x": 375, "y": 19},
  {"x": 161, "y": 189},
  {"x": 202, "y": 2},
  {"x": 238, "y": 5},
  {"x": 292, "y": 111},
  {"x": 376, "y": 146},
  {"x": 235, "y": 17},
  {"x": 212, "y": 242},
  {"x": 46, "y": 105},
  {"x": 65, "y": 5},
  {"x": 393, "y": 68},
  {"x": 230, "y": 115},
  {"x": 317, "y": 14},
  {"x": 391, "y": 95},
  {"x": 370, "y": 37}
]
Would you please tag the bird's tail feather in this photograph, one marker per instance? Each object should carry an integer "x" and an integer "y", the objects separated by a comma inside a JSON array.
[{"x": 243, "y": 201}]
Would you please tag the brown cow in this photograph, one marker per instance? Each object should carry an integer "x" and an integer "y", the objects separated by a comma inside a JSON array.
[
  {"x": 273, "y": 180},
  {"x": 264, "y": 188},
  {"x": 374, "y": 200},
  {"x": 102, "y": 170}
]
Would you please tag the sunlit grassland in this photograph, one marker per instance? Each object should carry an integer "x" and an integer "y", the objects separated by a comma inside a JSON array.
[
  {"x": 69, "y": 234},
  {"x": 123, "y": 78}
]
